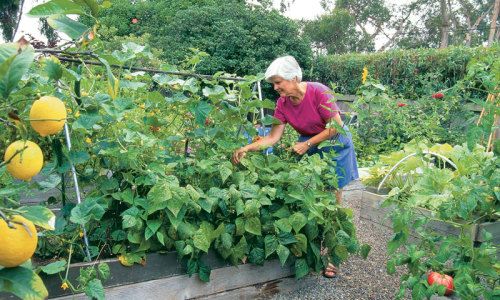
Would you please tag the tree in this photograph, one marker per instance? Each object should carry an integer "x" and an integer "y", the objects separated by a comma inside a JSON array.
[
  {"x": 336, "y": 33},
  {"x": 445, "y": 24},
  {"x": 422, "y": 23},
  {"x": 473, "y": 18},
  {"x": 351, "y": 25},
  {"x": 10, "y": 15},
  {"x": 240, "y": 38},
  {"x": 460, "y": 22},
  {"x": 493, "y": 23}
]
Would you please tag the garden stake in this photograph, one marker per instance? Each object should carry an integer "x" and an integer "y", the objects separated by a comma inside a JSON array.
[
  {"x": 492, "y": 137},
  {"x": 261, "y": 109},
  {"x": 261, "y": 112},
  {"x": 77, "y": 190}
]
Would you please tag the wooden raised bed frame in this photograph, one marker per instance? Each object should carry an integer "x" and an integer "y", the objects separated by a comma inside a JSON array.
[
  {"x": 162, "y": 277},
  {"x": 371, "y": 210}
]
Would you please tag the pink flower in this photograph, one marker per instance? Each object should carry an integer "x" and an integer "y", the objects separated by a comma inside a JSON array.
[
  {"x": 400, "y": 104},
  {"x": 438, "y": 96},
  {"x": 135, "y": 20}
]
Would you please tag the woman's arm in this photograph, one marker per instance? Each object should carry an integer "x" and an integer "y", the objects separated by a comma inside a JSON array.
[
  {"x": 263, "y": 143},
  {"x": 328, "y": 133}
]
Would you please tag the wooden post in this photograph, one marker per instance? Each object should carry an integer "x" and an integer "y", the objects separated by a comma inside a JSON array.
[{"x": 496, "y": 123}]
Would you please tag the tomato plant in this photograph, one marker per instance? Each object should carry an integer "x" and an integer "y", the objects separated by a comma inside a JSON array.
[{"x": 460, "y": 198}]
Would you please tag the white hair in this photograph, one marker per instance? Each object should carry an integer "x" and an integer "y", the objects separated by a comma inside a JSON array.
[{"x": 286, "y": 67}]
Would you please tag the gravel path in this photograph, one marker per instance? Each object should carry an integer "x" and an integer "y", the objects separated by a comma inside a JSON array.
[{"x": 358, "y": 278}]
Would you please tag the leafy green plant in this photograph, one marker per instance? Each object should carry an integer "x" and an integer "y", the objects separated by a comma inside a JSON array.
[
  {"x": 411, "y": 73},
  {"x": 461, "y": 198},
  {"x": 151, "y": 155},
  {"x": 386, "y": 122}
]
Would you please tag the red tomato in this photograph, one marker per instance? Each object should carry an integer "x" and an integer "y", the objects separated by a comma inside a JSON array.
[
  {"x": 208, "y": 121},
  {"x": 135, "y": 20},
  {"x": 446, "y": 280},
  {"x": 401, "y": 104},
  {"x": 438, "y": 96}
]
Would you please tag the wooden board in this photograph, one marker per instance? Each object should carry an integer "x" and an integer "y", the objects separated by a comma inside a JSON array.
[
  {"x": 371, "y": 210},
  {"x": 156, "y": 266},
  {"x": 222, "y": 280},
  {"x": 265, "y": 290},
  {"x": 491, "y": 227}
]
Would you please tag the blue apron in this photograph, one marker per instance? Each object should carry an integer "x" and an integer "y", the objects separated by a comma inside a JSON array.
[{"x": 346, "y": 164}]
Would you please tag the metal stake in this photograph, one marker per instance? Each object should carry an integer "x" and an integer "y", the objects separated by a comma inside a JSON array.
[
  {"x": 77, "y": 190},
  {"x": 260, "y": 98}
]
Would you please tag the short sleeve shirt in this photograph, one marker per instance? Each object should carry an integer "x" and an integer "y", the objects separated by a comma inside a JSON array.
[{"x": 311, "y": 115}]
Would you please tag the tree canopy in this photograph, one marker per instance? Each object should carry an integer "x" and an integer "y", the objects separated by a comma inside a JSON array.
[
  {"x": 355, "y": 25},
  {"x": 240, "y": 38}
]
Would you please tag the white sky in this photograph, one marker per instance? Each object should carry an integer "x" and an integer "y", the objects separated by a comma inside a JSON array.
[{"x": 303, "y": 9}]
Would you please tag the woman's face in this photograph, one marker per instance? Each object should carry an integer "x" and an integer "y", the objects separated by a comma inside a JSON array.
[{"x": 282, "y": 86}]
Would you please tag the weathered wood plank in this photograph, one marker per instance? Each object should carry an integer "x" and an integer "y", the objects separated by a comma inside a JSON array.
[
  {"x": 185, "y": 287},
  {"x": 266, "y": 290},
  {"x": 156, "y": 266},
  {"x": 491, "y": 227},
  {"x": 371, "y": 210}
]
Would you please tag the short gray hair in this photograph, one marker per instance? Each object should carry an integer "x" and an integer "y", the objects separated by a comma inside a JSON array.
[{"x": 286, "y": 67}]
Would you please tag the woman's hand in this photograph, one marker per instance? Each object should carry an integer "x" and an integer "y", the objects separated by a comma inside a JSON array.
[
  {"x": 239, "y": 154},
  {"x": 300, "y": 148}
]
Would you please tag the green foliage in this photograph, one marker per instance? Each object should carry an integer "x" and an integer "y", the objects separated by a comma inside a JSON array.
[
  {"x": 239, "y": 38},
  {"x": 411, "y": 73},
  {"x": 462, "y": 198},
  {"x": 22, "y": 282},
  {"x": 10, "y": 16},
  {"x": 13, "y": 65},
  {"x": 336, "y": 33},
  {"x": 152, "y": 154},
  {"x": 469, "y": 24},
  {"x": 387, "y": 119}
]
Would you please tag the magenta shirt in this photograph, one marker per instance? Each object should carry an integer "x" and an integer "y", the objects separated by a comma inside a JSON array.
[{"x": 310, "y": 116}]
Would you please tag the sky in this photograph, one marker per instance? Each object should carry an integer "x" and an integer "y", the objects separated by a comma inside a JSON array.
[{"x": 303, "y": 9}]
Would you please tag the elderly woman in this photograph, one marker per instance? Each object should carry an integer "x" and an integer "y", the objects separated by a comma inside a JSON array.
[{"x": 308, "y": 107}]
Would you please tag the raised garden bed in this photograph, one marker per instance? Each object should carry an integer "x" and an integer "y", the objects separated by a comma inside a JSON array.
[
  {"x": 162, "y": 277},
  {"x": 371, "y": 210}
]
